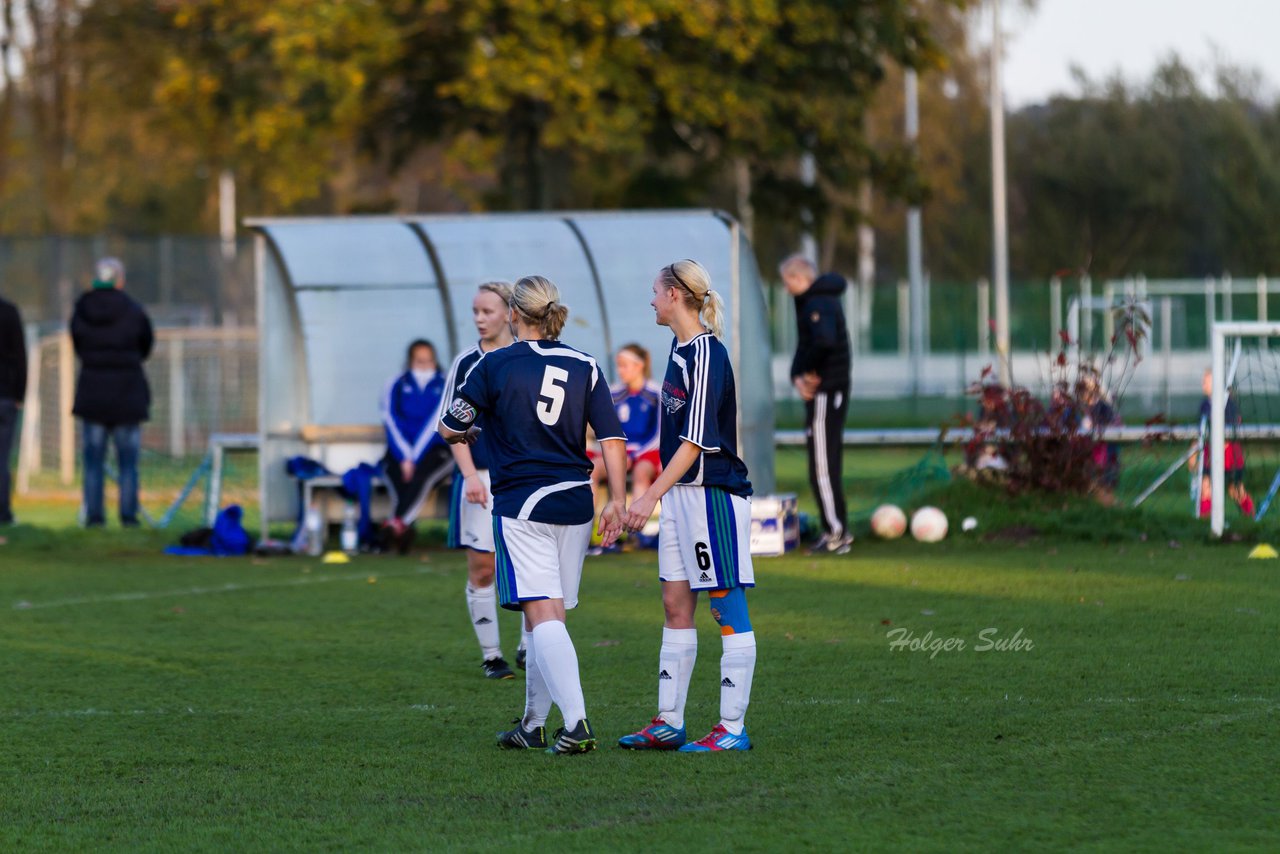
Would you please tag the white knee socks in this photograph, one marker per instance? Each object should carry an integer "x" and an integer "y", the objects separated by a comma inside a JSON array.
[
  {"x": 737, "y": 666},
  {"x": 558, "y": 663},
  {"x": 537, "y": 697},
  {"x": 675, "y": 666},
  {"x": 482, "y": 604}
]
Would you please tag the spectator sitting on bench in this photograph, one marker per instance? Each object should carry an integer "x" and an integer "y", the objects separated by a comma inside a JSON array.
[{"x": 417, "y": 459}]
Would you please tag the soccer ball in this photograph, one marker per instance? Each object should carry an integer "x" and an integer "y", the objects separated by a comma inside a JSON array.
[
  {"x": 888, "y": 522},
  {"x": 929, "y": 525}
]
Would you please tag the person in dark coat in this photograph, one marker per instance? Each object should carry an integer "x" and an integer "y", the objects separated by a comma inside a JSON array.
[
  {"x": 820, "y": 374},
  {"x": 13, "y": 390},
  {"x": 112, "y": 336}
]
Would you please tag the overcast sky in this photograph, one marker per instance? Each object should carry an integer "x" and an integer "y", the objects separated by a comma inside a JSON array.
[{"x": 1132, "y": 36}]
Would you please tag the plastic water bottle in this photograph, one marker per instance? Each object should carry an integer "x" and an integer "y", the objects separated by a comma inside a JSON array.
[
  {"x": 350, "y": 536},
  {"x": 314, "y": 532}
]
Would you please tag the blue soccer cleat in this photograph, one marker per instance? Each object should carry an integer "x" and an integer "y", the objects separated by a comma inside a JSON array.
[
  {"x": 718, "y": 739},
  {"x": 658, "y": 735}
]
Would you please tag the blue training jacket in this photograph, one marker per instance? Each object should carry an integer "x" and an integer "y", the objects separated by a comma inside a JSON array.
[{"x": 410, "y": 413}]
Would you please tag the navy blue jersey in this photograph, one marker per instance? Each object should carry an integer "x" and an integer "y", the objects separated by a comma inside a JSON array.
[
  {"x": 700, "y": 405},
  {"x": 409, "y": 415},
  {"x": 462, "y": 366},
  {"x": 535, "y": 400},
  {"x": 638, "y": 413}
]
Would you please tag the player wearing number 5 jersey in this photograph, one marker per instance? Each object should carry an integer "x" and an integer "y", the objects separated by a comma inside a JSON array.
[
  {"x": 536, "y": 398},
  {"x": 705, "y": 520}
]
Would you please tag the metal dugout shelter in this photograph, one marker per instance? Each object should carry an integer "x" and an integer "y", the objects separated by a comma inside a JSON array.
[{"x": 339, "y": 299}]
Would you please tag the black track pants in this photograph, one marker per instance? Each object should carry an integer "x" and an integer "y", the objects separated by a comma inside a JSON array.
[{"x": 824, "y": 433}]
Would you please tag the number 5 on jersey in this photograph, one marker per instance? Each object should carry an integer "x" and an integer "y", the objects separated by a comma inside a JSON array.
[{"x": 551, "y": 398}]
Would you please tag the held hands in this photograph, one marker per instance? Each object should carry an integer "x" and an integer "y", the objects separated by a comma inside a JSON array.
[
  {"x": 406, "y": 470},
  {"x": 807, "y": 385},
  {"x": 611, "y": 522},
  {"x": 474, "y": 491},
  {"x": 640, "y": 511},
  {"x": 467, "y": 438}
]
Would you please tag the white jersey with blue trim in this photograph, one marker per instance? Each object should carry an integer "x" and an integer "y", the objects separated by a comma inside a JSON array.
[
  {"x": 700, "y": 405},
  {"x": 536, "y": 400},
  {"x": 462, "y": 365}
]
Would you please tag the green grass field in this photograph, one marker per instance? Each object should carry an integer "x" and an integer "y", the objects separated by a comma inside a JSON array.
[{"x": 161, "y": 703}]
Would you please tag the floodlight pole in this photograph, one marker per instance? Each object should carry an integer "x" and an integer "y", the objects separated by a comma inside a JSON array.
[
  {"x": 915, "y": 265},
  {"x": 999, "y": 202}
]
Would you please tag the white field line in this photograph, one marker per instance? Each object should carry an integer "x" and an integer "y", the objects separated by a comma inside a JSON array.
[
  {"x": 229, "y": 587},
  {"x": 306, "y": 711}
]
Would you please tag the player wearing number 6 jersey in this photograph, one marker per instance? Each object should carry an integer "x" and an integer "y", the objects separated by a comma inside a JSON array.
[
  {"x": 537, "y": 397},
  {"x": 705, "y": 520}
]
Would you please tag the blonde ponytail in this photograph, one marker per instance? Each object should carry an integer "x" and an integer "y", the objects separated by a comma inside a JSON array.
[
  {"x": 713, "y": 313},
  {"x": 537, "y": 299},
  {"x": 694, "y": 283}
]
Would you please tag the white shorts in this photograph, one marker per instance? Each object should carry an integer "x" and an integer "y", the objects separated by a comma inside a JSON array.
[
  {"x": 470, "y": 525},
  {"x": 704, "y": 538},
  {"x": 538, "y": 560}
]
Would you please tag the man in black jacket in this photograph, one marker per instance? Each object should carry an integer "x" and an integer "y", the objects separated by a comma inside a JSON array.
[
  {"x": 112, "y": 336},
  {"x": 820, "y": 373},
  {"x": 13, "y": 390}
]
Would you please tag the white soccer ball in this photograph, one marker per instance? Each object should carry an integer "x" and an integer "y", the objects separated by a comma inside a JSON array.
[
  {"x": 929, "y": 525},
  {"x": 888, "y": 522}
]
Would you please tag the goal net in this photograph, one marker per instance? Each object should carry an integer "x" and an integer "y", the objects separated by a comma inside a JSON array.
[{"x": 1243, "y": 463}]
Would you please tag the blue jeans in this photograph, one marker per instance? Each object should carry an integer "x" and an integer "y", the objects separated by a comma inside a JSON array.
[
  {"x": 128, "y": 441},
  {"x": 8, "y": 426}
]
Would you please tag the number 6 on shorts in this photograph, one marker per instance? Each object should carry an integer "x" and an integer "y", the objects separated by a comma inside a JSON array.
[{"x": 704, "y": 538}]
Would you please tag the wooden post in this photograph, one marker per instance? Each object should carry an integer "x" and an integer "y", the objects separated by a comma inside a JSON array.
[
  {"x": 29, "y": 449},
  {"x": 177, "y": 398},
  {"x": 66, "y": 402}
]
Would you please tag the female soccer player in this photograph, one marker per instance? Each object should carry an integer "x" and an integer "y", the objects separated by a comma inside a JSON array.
[
  {"x": 704, "y": 526},
  {"x": 537, "y": 398},
  {"x": 417, "y": 459},
  {"x": 635, "y": 397},
  {"x": 470, "y": 522}
]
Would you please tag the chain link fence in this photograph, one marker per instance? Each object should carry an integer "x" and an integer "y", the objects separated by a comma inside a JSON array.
[{"x": 182, "y": 280}]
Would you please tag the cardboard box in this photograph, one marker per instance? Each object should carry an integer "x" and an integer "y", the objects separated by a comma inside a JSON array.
[{"x": 775, "y": 525}]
